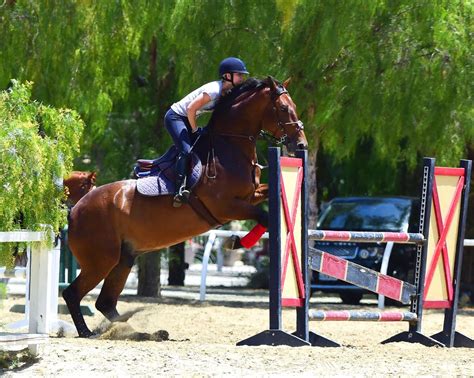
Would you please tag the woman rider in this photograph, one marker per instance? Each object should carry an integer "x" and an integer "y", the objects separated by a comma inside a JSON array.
[{"x": 180, "y": 119}]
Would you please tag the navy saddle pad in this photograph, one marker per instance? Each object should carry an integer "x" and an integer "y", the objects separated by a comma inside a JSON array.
[{"x": 157, "y": 177}]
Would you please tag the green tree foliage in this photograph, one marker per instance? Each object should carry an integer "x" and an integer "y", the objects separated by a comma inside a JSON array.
[
  {"x": 383, "y": 83},
  {"x": 37, "y": 146},
  {"x": 378, "y": 83},
  {"x": 77, "y": 53},
  {"x": 204, "y": 32}
]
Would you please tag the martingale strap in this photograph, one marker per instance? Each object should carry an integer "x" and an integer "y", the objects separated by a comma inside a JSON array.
[{"x": 201, "y": 209}]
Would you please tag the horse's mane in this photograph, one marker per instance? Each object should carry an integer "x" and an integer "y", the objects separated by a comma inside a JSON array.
[{"x": 251, "y": 84}]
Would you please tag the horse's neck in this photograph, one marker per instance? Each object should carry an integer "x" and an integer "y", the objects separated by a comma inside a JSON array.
[
  {"x": 244, "y": 118},
  {"x": 239, "y": 127}
]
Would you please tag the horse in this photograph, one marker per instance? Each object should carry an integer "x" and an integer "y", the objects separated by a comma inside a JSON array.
[
  {"x": 77, "y": 185},
  {"x": 113, "y": 224}
]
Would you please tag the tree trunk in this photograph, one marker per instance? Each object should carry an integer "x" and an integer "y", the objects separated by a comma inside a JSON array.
[
  {"x": 314, "y": 142},
  {"x": 149, "y": 268},
  {"x": 467, "y": 273},
  {"x": 312, "y": 189},
  {"x": 176, "y": 265},
  {"x": 470, "y": 209}
]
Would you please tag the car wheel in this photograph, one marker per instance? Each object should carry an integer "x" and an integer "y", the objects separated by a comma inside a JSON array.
[{"x": 351, "y": 298}]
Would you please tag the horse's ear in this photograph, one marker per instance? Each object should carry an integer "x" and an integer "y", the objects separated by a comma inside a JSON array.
[
  {"x": 92, "y": 177},
  {"x": 271, "y": 82},
  {"x": 287, "y": 82}
]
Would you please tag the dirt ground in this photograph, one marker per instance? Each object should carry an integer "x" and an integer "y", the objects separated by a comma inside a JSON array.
[{"x": 202, "y": 338}]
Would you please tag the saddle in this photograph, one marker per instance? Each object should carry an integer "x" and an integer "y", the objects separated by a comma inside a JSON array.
[{"x": 157, "y": 177}]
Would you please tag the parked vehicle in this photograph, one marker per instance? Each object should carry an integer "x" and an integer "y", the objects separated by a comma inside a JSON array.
[{"x": 390, "y": 214}]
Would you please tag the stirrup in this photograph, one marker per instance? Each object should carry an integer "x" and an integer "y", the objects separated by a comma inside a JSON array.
[{"x": 181, "y": 197}]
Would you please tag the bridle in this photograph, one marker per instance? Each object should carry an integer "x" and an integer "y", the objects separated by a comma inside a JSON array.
[{"x": 280, "y": 90}]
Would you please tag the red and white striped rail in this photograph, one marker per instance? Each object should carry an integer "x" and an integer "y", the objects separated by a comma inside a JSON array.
[
  {"x": 362, "y": 316},
  {"x": 366, "y": 237}
]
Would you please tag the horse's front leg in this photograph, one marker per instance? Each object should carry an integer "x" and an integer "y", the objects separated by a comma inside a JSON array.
[
  {"x": 243, "y": 210},
  {"x": 239, "y": 209},
  {"x": 260, "y": 195}
]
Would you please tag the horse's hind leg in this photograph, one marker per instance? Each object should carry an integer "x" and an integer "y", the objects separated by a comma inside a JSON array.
[
  {"x": 114, "y": 283},
  {"x": 73, "y": 294}
]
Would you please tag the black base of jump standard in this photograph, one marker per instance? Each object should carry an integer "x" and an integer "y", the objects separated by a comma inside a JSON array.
[
  {"x": 321, "y": 341},
  {"x": 459, "y": 340},
  {"x": 414, "y": 337},
  {"x": 274, "y": 337}
]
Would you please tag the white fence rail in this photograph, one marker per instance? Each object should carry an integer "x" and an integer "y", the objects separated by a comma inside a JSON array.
[
  {"x": 42, "y": 279},
  {"x": 215, "y": 239}
]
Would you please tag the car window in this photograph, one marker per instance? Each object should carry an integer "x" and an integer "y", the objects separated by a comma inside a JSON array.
[{"x": 376, "y": 215}]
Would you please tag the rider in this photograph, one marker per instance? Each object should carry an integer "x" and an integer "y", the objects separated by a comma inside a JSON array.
[{"x": 180, "y": 120}]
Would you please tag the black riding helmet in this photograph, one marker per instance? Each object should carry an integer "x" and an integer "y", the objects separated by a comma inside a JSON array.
[{"x": 232, "y": 65}]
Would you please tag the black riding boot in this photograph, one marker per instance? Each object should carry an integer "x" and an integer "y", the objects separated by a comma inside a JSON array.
[{"x": 182, "y": 194}]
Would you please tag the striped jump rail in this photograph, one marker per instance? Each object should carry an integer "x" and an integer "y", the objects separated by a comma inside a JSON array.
[
  {"x": 362, "y": 316},
  {"x": 360, "y": 276},
  {"x": 366, "y": 237}
]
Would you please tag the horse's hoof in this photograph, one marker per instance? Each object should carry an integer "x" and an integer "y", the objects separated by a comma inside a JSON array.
[
  {"x": 232, "y": 243},
  {"x": 87, "y": 334}
]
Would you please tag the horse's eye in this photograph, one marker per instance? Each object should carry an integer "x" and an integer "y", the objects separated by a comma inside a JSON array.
[{"x": 284, "y": 108}]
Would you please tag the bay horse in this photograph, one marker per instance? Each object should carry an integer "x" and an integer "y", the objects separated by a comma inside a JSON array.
[
  {"x": 77, "y": 185},
  {"x": 113, "y": 224}
]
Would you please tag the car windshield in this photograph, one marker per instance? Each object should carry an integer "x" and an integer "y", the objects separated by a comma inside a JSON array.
[{"x": 367, "y": 215}]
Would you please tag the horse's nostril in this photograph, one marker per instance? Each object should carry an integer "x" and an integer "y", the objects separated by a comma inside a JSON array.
[{"x": 302, "y": 146}]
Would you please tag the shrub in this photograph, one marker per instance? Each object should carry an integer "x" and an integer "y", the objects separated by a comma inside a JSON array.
[{"x": 37, "y": 147}]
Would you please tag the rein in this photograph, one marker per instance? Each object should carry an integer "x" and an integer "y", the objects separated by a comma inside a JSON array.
[
  {"x": 251, "y": 138},
  {"x": 272, "y": 139}
]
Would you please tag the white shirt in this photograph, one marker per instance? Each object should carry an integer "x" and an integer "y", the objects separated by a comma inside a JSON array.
[{"x": 213, "y": 89}]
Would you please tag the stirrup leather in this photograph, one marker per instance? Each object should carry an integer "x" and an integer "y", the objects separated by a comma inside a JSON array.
[{"x": 182, "y": 194}]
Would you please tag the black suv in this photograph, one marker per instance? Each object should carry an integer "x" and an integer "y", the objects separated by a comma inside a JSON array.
[{"x": 394, "y": 214}]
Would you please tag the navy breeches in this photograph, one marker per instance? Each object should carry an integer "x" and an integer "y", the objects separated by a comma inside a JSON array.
[{"x": 179, "y": 129}]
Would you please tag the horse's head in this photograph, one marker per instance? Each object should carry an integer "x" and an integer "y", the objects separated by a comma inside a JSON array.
[
  {"x": 77, "y": 185},
  {"x": 281, "y": 119}
]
